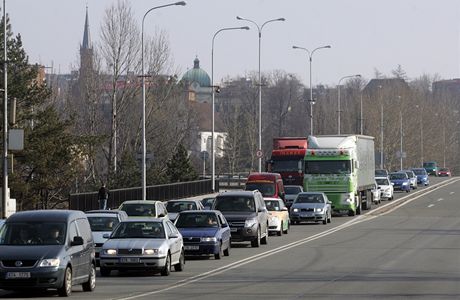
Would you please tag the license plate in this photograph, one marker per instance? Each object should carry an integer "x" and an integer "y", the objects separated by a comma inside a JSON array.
[
  {"x": 233, "y": 229},
  {"x": 192, "y": 247},
  {"x": 129, "y": 260},
  {"x": 306, "y": 215},
  {"x": 14, "y": 275}
]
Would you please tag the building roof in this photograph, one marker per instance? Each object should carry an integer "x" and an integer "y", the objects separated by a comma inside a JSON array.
[
  {"x": 86, "y": 44},
  {"x": 197, "y": 75}
]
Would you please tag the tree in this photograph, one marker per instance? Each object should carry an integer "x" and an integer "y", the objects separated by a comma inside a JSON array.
[{"x": 179, "y": 167}]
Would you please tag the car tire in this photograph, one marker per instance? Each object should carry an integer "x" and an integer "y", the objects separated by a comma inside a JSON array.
[
  {"x": 227, "y": 251},
  {"x": 256, "y": 242},
  {"x": 179, "y": 267},
  {"x": 287, "y": 229},
  {"x": 66, "y": 289},
  {"x": 104, "y": 272},
  {"x": 280, "y": 233},
  {"x": 329, "y": 219},
  {"x": 90, "y": 285},
  {"x": 219, "y": 254},
  {"x": 264, "y": 240},
  {"x": 407, "y": 191},
  {"x": 325, "y": 220},
  {"x": 167, "y": 268}
]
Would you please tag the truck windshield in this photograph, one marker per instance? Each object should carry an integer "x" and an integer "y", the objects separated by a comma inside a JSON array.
[
  {"x": 429, "y": 164},
  {"x": 285, "y": 165},
  {"x": 267, "y": 189},
  {"x": 328, "y": 167}
]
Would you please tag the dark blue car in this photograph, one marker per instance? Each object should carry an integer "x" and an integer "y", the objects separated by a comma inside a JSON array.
[
  {"x": 400, "y": 181},
  {"x": 422, "y": 176},
  {"x": 204, "y": 232}
]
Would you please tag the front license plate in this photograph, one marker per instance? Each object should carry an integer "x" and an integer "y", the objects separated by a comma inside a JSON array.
[
  {"x": 306, "y": 215},
  {"x": 233, "y": 229},
  {"x": 129, "y": 260},
  {"x": 14, "y": 275},
  {"x": 192, "y": 247}
]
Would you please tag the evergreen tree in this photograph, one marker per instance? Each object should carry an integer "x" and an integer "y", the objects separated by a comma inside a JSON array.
[
  {"x": 180, "y": 168},
  {"x": 128, "y": 173}
]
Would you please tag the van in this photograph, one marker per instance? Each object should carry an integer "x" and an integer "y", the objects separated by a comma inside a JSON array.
[
  {"x": 44, "y": 249},
  {"x": 269, "y": 184}
]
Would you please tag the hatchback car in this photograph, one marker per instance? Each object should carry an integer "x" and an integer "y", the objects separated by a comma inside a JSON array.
[
  {"x": 386, "y": 188},
  {"x": 311, "y": 207},
  {"x": 412, "y": 178},
  {"x": 279, "y": 216},
  {"x": 204, "y": 232},
  {"x": 400, "y": 181},
  {"x": 174, "y": 207},
  {"x": 422, "y": 176},
  {"x": 148, "y": 244},
  {"x": 444, "y": 172},
  {"x": 144, "y": 208},
  {"x": 291, "y": 191}
]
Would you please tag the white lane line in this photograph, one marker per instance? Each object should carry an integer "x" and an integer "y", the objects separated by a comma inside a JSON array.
[
  {"x": 440, "y": 199},
  {"x": 452, "y": 193},
  {"x": 431, "y": 205}
]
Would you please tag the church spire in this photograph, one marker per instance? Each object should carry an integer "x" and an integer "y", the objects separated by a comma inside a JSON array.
[{"x": 86, "y": 37}]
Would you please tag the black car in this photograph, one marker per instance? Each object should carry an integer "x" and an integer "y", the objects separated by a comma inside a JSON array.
[{"x": 47, "y": 249}]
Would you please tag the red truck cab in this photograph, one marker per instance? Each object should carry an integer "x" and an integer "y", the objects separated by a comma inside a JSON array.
[{"x": 269, "y": 184}]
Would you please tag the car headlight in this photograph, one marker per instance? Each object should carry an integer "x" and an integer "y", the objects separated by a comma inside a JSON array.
[
  {"x": 110, "y": 251},
  {"x": 151, "y": 251},
  {"x": 404, "y": 183},
  {"x": 209, "y": 239},
  {"x": 295, "y": 210},
  {"x": 50, "y": 262},
  {"x": 318, "y": 209},
  {"x": 250, "y": 222}
]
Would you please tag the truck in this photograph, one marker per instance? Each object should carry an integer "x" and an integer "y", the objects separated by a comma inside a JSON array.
[
  {"x": 341, "y": 166},
  {"x": 431, "y": 167},
  {"x": 287, "y": 159}
]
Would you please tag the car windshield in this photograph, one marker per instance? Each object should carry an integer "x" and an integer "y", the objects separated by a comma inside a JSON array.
[
  {"x": 409, "y": 174},
  {"x": 107, "y": 223},
  {"x": 419, "y": 171},
  {"x": 286, "y": 165},
  {"x": 382, "y": 181},
  {"x": 273, "y": 205},
  {"x": 207, "y": 202},
  {"x": 191, "y": 220},
  {"x": 292, "y": 190},
  {"x": 178, "y": 206},
  {"x": 398, "y": 176},
  {"x": 443, "y": 169},
  {"x": 139, "y": 209},
  {"x": 235, "y": 203},
  {"x": 266, "y": 188},
  {"x": 328, "y": 167},
  {"x": 139, "y": 230},
  {"x": 33, "y": 233},
  {"x": 309, "y": 198},
  {"x": 381, "y": 172}
]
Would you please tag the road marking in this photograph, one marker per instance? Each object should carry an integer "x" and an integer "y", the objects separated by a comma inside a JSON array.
[
  {"x": 440, "y": 199},
  {"x": 452, "y": 193},
  {"x": 245, "y": 261},
  {"x": 431, "y": 205}
]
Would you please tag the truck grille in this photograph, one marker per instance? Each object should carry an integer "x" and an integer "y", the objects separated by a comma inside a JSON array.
[{"x": 322, "y": 187}]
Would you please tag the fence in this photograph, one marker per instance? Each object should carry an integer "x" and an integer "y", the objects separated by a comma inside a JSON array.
[
  {"x": 88, "y": 201},
  {"x": 232, "y": 181}
]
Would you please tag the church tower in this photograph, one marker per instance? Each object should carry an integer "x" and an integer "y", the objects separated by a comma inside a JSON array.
[{"x": 86, "y": 50}]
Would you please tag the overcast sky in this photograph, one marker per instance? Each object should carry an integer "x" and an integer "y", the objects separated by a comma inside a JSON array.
[{"x": 421, "y": 35}]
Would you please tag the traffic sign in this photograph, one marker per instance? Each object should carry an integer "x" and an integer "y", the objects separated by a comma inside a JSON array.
[{"x": 259, "y": 153}]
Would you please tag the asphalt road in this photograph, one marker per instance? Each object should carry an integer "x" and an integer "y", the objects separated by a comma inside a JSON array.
[{"x": 405, "y": 248}]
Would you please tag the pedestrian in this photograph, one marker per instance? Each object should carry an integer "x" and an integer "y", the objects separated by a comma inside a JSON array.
[{"x": 103, "y": 195}]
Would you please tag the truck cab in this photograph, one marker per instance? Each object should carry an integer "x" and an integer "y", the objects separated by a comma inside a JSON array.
[{"x": 269, "y": 184}]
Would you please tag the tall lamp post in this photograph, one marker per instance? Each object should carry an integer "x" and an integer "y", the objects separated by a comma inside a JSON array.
[
  {"x": 144, "y": 147},
  {"x": 310, "y": 56},
  {"x": 213, "y": 152},
  {"x": 259, "y": 28},
  {"x": 421, "y": 132},
  {"x": 5, "y": 119},
  {"x": 338, "y": 99}
]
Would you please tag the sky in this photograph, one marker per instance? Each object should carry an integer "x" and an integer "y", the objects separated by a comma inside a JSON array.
[{"x": 420, "y": 35}]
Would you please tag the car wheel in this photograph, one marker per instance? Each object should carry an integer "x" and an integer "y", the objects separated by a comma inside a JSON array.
[
  {"x": 90, "y": 285},
  {"x": 256, "y": 242},
  {"x": 264, "y": 240},
  {"x": 407, "y": 191},
  {"x": 66, "y": 289},
  {"x": 104, "y": 272},
  {"x": 287, "y": 228},
  {"x": 179, "y": 267},
  {"x": 220, "y": 253},
  {"x": 227, "y": 251},
  {"x": 167, "y": 268},
  {"x": 325, "y": 220},
  {"x": 329, "y": 219},
  {"x": 280, "y": 233}
]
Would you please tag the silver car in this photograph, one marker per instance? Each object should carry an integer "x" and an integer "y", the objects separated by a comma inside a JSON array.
[
  {"x": 147, "y": 244},
  {"x": 311, "y": 207},
  {"x": 291, "y": 192}
]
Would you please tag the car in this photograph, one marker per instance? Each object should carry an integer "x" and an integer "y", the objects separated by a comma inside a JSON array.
[
  {"x": 291, "y": 191},
  {"x": 381, "y": 173},
  {"x": 144, "y": 208},
  {"x": 386, "y": 188},
  {"x": 174, "y": 207},
  {"x": 422, "y": 176},
  {"x": 279, "y": 216},
  {"x": 103, "y": 222},
  {"x": 205, "y": 232},
  {"x": 431, "y": 167},
  {"x": 246, "y": 215},
  {"x": 376, "y": 193},
  {"x": 2, "y": 221},
  {"x": 444, "y": 172},
  {"x": 400, "y": 181},
  {"x": 47, "y": 249},
  {"x": 311, "y": 207},
  {"x": 144, "y": 244},
  {"x": 412, "y": 178},
  {"x": 207, "y": 202}
]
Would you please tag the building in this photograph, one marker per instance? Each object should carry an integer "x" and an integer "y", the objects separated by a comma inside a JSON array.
[{"x": 198, "y": 84}]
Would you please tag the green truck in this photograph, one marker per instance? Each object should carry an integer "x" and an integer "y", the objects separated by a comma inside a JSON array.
[{"x": 341, "y": 166}]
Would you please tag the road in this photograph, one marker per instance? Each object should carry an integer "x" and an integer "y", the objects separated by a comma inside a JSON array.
[{"x": 406, "y": 248}]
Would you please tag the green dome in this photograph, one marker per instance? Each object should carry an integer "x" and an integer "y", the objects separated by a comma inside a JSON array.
[{"x": 197, "y": 75}]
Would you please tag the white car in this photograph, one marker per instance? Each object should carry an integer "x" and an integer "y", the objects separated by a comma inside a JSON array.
[
  {"x": 386, "y": 188},
  {"x": 144, "y": 208},
  {"x": 376, "y": 193},
  {"x": 147, "y": 244}
]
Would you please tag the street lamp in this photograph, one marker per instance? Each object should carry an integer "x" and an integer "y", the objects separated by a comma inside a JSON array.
[
  {"x": 421, "y": 132},
  {"x": 144, "y": 147},
  {"x": 213, "y": 152},
  {"x": 259, "y": 28},
  {"x": 5, "y": 118},
  {"x": 338, "y": 99},
  {"x": 310, "y": 55}
]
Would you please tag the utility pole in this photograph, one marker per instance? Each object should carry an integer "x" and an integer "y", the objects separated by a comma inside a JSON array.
[{"x": 5, "y": 117}]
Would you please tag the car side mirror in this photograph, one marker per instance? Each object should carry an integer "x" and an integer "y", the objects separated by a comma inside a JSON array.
[
  {"x": 379, "y": 187},
  {"x": 173, "y": 236},
  {"x": 106, "y": 235},
  {"x": 161, "y": 216},
  {"x": 284, "y": 209},
  {"x": 224, "y": 225},
  {"x": 77, "y": 241}
]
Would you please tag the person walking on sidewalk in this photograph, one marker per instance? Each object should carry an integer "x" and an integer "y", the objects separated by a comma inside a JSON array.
[{"x": 103, "y": 195}]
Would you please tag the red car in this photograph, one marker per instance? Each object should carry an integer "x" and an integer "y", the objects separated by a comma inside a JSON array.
[{"x": 444, "y": 172}]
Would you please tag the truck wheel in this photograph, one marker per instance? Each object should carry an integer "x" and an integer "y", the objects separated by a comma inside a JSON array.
[{"x": 358, "y": 210}]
